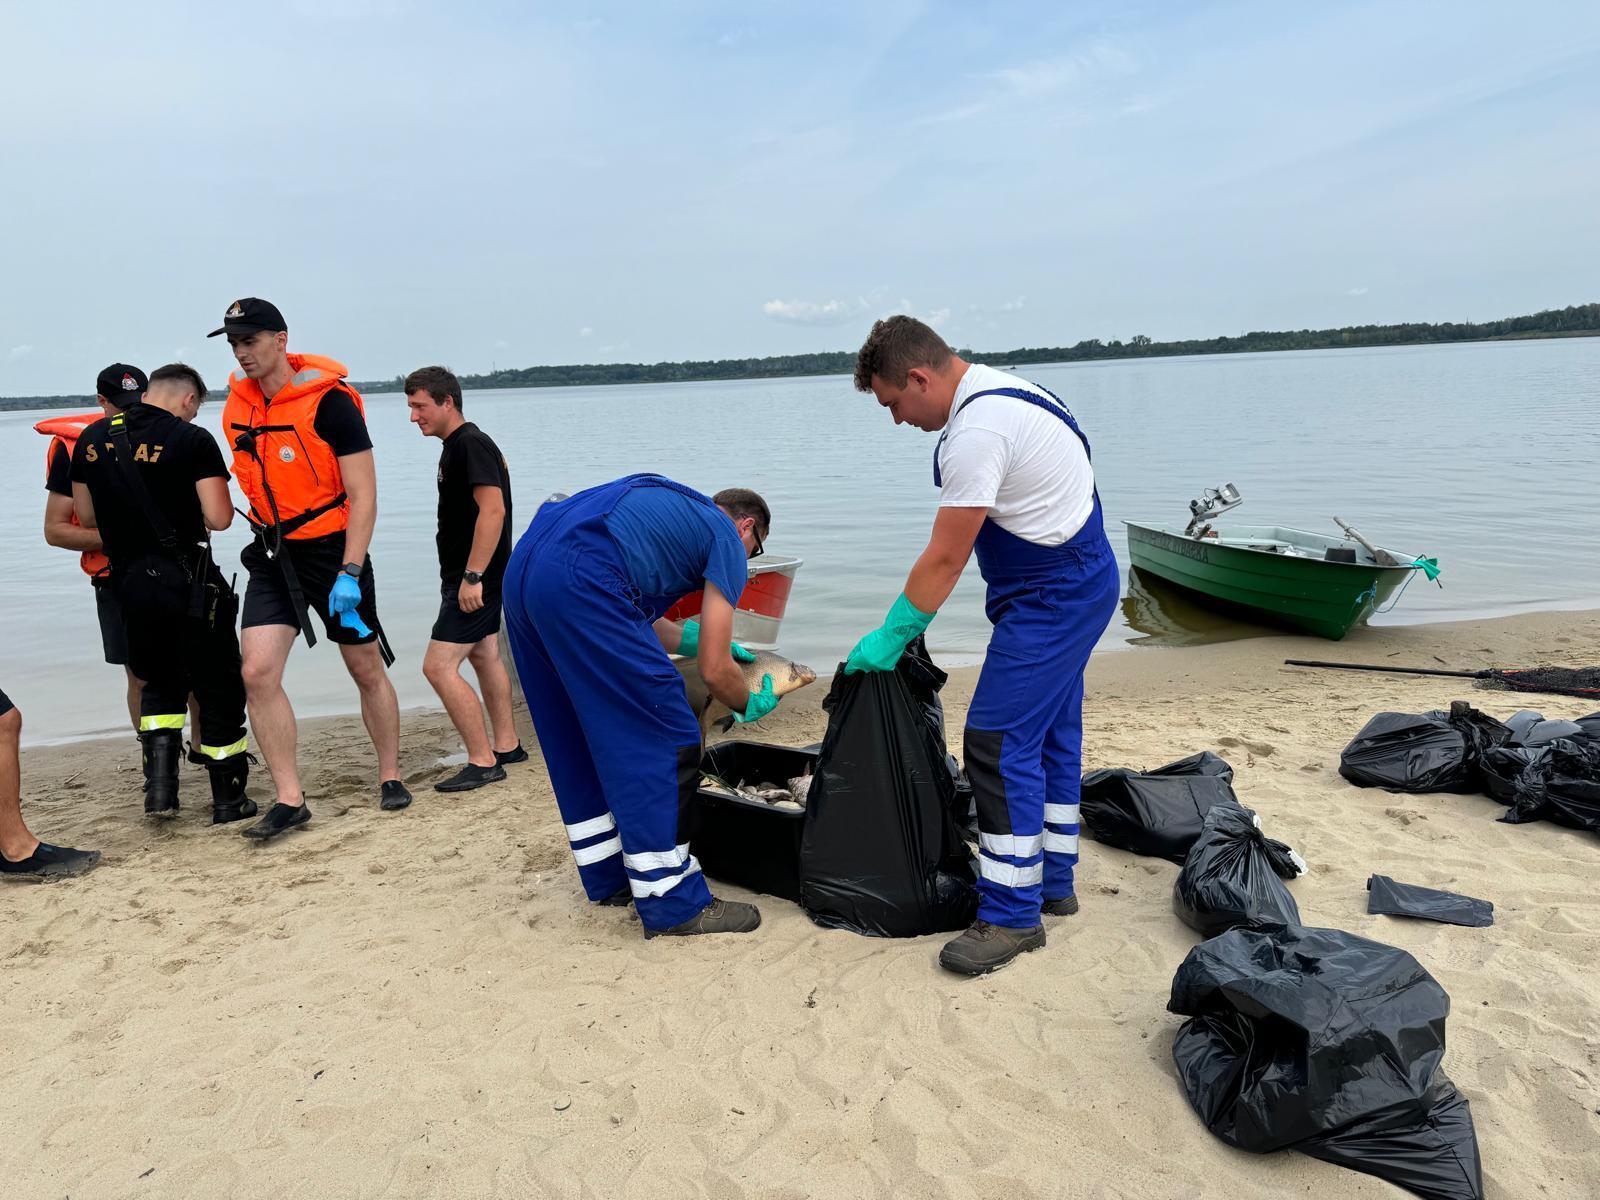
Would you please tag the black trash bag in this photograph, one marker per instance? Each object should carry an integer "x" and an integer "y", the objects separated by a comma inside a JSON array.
[
  {"x": 1159, "y": 812},
  {"x": 1327, "y": 1043},
  {"x": 963, "y": 805},
  {"x": 1591, "y": 726},
  {"x": 1234, "y": 876},
  {"x": 1427, "y": 752},
  {"x": 1561, "y": 785},
  {"x": 1385, "y": 895},
  {"x": 1530, "y": 737},
  {"x": 882, "y": 853}
]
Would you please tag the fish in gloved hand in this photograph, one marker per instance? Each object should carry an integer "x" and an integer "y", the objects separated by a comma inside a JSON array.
[{"x": 787, "y": 676}]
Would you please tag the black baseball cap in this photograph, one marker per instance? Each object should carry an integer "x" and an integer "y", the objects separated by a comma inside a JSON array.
[
  {"x": 251, "y": 315},
  {"x": 122, "y": 384}
]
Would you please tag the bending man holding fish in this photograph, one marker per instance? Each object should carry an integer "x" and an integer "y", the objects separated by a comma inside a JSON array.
[
  {"x": 1015, "y": 484},
  {"x": 583, "y": 594}
]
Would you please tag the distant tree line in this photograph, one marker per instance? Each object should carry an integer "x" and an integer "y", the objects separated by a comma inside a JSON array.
[
  {"x": 1578, "y": 320},
  {"x": 1572, "y": 321}
]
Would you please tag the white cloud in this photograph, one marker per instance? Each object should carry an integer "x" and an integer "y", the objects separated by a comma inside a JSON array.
[
  {"x": 18, "y": 353},
  {"x": 1357, "y": 291},
  {"x": 1052, "y": 75},
  {"x": 817, "y": 312},
  {"x": 937, "y": 317},
  {"x": 586, "y": 331}
]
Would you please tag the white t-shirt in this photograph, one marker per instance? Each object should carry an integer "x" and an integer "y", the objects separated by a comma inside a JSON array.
[{"x": 1012, "y": 457}]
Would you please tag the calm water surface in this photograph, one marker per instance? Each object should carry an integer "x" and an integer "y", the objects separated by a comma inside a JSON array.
[{"x": 1482, "y": 455}]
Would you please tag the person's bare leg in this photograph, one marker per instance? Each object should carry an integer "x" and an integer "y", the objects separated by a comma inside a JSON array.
[
  {"x": 265, "y": 650},
  {"x": 194, "y": 718},
  {"x": 495, "y": 684},
  {"x": 16, "y": 843},
  {"x": 135, "y": 696},
  {"x": 380, "y": 707},
  {"x": 441, "y": 665}
]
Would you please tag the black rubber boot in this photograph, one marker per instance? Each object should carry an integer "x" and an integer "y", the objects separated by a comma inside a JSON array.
[
  {"x": 228, "y": 779},
  {"x": 163, "y": 750}
]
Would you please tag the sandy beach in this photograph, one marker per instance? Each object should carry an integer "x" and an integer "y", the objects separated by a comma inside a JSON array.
[{"x": 421, "y": 1004}]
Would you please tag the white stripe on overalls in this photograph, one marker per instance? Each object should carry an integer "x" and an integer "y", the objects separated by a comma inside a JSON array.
[
  {"x": 587, "y": 856},
  {"x": 678, "y": 860}
]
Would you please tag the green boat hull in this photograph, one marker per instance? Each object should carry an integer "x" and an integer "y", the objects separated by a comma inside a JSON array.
[{"x": 1309, "y": 595}]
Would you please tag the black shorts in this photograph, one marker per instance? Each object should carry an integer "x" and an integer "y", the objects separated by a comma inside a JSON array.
[
  {"x": 5, "y": 704},
  {"x": 462, "y": 628},
  {"x": 316, "y": 563},
  {"x": 113, "y": 634}
]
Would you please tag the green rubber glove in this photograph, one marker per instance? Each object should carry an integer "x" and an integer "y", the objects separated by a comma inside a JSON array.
[
  {"x": 882, "y": 648},
  {"x": 690, "y": 645},
  {"x": 759, "y": 704}
]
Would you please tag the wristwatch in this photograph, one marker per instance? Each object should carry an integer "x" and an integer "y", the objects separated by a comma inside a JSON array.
[
  {"x": 472, "y": 577},
  {"x": 352, "y": 569}
]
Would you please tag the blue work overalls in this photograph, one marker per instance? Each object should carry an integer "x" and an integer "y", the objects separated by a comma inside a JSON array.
[
  {"x": 619, "y": 739},
  {"x": 1024, "y": 734}
]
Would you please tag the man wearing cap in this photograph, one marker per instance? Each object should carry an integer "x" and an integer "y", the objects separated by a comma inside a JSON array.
[
  {"x": 154, "y": 485},
  {"x": 117, "y": 387},
  {"x": 303, "y": 458}
]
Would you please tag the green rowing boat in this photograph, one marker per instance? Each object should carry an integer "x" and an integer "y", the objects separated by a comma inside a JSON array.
[{"x": 1271, "y": 574}]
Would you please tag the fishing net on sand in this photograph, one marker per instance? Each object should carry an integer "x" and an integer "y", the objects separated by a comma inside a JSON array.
[{"x": 1556, "y": 681}]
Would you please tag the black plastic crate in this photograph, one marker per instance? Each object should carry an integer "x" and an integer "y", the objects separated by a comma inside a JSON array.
[{"x": 748, "y": 842}]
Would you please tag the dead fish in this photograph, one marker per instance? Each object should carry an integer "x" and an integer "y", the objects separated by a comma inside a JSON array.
[
  {"x": 787, "y": 676},
  {"x": 800, "y": 787}
]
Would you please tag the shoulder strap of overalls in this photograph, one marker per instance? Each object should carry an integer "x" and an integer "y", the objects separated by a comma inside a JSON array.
[{"x": 1057, "y": 410}]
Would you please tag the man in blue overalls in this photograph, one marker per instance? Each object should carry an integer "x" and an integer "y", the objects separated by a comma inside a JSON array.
[
  {"x": 1015, "y": 483},
  {"x": 583, "y": 595}
]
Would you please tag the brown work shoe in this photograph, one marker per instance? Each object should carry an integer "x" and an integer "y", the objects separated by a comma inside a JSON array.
[
  {"x": 985, "y": 947},
  {"x": 1067, "y": 906},
  {"x": 720, "y": 916}
]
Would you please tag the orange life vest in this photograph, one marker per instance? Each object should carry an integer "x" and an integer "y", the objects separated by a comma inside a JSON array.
[
  {"x": 65, "y": 432},
  {"x": 290, "y": 475}
]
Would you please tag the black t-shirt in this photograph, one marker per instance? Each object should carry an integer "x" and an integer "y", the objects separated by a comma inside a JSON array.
[
  {"x": 170, "y": 456},
  {"x": 469, "y": 459},
  {"x": 59, "y": 477},
  {"x": 340, "y": 423}
]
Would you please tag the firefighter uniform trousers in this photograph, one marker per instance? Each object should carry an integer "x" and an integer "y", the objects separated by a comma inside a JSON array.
[
  {"x": 1024, "y": 732},
  {"x": 619, "y": 739},
  {"x": 176, "y": 653}
]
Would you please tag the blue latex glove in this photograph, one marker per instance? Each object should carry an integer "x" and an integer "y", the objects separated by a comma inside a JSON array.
[
  {"x": 882, "y": 648},
  {"x": 342, "y": 603},
  {"x": 690, "y": 645},
  {"x": 759, "y": 704}
]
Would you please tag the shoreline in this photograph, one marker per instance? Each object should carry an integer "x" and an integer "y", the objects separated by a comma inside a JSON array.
[
  {"x": 1371, "y": 636},
  {"x": 421, "y": 1003}
]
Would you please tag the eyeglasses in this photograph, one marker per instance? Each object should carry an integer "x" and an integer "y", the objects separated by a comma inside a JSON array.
[{"x": 760, "y": 548}]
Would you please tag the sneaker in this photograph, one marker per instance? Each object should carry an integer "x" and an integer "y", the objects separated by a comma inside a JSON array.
[
  {"x": 506, "y": 757},
  {"x": 280, "y": 818},
  {"x": 393, "y": 796},
  {"x": 51, "y": 862},
  {"x": 1067, "y": 906},
  {"x": 469, "y": 777},
  {"x": 720, "y": 916},
  {"x": 985, "y": 947}
]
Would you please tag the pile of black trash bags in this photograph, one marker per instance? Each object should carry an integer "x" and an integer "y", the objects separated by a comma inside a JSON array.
[
  {"x": 1544, "y": 770},
  {"x": 1297, "y": 1038}
]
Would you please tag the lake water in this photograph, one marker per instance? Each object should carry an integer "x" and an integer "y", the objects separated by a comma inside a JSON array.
[{"x": 1481, "y": 455}]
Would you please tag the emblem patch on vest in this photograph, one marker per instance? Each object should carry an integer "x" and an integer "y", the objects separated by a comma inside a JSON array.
[{"x": 286, "y": 453}]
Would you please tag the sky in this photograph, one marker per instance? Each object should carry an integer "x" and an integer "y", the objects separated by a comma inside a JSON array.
[{"x": 505, "y": 184}]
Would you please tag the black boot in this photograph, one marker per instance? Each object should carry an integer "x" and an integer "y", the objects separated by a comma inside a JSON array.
[
  {"x": 163, "y": 748},
  {"x": 228, "y": 778}
]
